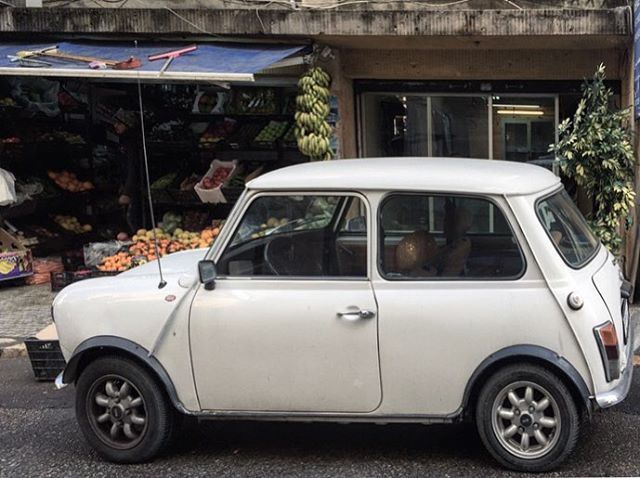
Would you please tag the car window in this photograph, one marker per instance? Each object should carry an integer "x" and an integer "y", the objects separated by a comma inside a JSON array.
[
  {"x": 299, "y": 236},
  {"x": 446, "y": 237},
  {"x": 567, "y": 229}
]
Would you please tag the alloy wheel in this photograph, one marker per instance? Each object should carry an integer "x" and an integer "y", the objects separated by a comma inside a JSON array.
[
  {"x": 117, "y": 412},
  {"x": 526, "y": 420}
]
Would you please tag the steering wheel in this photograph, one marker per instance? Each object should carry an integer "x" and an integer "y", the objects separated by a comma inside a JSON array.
[{"x": 268, "y": 255}]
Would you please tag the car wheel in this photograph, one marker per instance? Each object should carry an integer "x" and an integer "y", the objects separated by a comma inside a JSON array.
[
  {"x": 122, "y": 411},
  {"x": 527, "y": 418}
]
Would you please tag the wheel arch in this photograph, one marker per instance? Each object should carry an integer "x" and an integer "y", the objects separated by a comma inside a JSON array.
[
  {"x": 533, "y": 354},
  {"x": 101, "y": 346}
]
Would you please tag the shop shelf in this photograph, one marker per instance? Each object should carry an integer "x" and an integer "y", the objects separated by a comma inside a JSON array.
[
  {"x": 24, "y": 209},
  {"x": 258, "y": 155}
]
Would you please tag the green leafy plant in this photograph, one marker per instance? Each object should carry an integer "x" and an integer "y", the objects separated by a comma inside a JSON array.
[{"x": 595, "y": 149}]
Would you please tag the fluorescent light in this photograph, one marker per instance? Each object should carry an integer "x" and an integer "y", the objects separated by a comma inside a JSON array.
[
  {"x": 522, "y": 107},
  {"x": 521, "y": 112}
]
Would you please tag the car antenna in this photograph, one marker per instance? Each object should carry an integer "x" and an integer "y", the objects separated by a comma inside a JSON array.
[{"x": 146, "y": 176}]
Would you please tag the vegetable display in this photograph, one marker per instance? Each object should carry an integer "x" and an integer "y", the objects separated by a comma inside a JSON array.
[{"x": 313, "y": 132}]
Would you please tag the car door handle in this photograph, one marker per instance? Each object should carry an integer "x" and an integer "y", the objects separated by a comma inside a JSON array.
[{"x": 356, "y": 314}]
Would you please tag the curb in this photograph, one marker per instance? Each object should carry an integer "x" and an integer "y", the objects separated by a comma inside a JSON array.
[{"x": 14, "y": 351}]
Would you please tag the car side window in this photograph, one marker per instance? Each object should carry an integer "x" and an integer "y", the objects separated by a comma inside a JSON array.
[
  {"x": 318, "y": 236},
  {"x": 446, "y": 237}
]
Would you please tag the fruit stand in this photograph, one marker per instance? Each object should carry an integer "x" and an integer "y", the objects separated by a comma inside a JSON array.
[{"x": 203, "y": 143}]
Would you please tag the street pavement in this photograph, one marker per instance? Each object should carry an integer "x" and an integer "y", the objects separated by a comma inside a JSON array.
[{"x": 39, "y": 437}]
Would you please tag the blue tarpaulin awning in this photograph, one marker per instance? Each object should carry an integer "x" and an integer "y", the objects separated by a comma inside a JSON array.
[{"x": 224, "y": 62}]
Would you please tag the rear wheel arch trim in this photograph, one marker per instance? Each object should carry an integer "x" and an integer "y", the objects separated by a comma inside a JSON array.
[
  {"x": 531, "y": 353},
  {"x": 106, "y": 343}
]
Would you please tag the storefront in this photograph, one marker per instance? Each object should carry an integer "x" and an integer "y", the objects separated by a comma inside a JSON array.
[
  {"x": 513, "y": 121},
  {"x": 71, "y": 136}
]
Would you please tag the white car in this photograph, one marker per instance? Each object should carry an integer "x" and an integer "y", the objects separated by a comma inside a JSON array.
[{"x": 372, "y": 290}]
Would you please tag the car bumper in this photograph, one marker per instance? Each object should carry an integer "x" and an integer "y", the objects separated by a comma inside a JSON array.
[
  {"x": 58, "y": 382},
  {"x": 620, "y": 391}
]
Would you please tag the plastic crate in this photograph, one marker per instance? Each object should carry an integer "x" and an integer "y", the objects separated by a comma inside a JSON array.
[
  {"x": 60, "y": 280},
  {"x": 46, "y": 358}
]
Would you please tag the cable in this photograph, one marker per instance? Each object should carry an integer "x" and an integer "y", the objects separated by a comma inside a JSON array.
[
  {"x": 146, "y": 171},
  {"x": 202, "y": 30}
]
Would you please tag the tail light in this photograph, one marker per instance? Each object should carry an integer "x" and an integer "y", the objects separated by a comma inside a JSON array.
[{"x": 607, "y": 340}]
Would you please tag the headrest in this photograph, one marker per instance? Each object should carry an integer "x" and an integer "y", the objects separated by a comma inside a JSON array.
[{"x": 415, "y": 250}]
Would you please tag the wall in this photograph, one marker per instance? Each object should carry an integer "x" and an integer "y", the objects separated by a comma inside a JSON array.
[{"x": 382, "y": 4}]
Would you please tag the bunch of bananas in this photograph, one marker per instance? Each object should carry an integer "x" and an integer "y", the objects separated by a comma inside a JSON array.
[{"x": 312, "y": 108}]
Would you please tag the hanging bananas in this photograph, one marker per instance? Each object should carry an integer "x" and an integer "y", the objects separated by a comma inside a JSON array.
[{"x": 312, "y": 109}]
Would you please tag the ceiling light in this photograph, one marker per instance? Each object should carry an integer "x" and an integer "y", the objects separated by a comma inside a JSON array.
[
  {"x": 523, "y": 107},
  {"x": 521, "y": 112}
]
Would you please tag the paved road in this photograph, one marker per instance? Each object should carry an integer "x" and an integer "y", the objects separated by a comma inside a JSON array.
[{"x": 39, "y": 437}]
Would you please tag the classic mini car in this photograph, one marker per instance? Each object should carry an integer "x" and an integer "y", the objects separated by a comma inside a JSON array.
[{"x": 371, "y": 290}]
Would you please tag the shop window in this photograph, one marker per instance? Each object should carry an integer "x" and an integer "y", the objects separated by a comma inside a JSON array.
[
  {"x": 523, "y": 129},
  {"x": 422, "y": 125},
  {"x": 446, "y": 237},
  {"x": 299, "y": 236},
  {"x": 459, "y": 126}
]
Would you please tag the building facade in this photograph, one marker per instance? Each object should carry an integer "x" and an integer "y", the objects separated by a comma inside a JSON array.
[{"x": 478, "y": 78}]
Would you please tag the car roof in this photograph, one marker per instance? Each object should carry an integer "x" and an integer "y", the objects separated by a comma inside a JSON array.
[{"x": 461, "y": 175}]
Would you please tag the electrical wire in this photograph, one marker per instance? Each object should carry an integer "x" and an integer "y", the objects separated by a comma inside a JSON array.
[
  {"x": 340, "y": 3},
  {"x": 147, "y": 178},
  {"x": 202, "y": 30}
]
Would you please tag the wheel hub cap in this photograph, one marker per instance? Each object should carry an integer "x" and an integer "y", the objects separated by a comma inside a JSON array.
[
  {"x": 117, "y": 412},
  {"x": 526, "y": 420}
]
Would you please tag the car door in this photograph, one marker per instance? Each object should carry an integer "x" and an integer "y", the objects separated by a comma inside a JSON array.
[{"x": 292, "y": 322}]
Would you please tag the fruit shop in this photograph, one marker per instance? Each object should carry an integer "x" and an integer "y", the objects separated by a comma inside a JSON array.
[{"x": 75, "y": 150}]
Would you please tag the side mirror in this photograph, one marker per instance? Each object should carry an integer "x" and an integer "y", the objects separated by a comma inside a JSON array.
[{"x": 208, "y": 274}]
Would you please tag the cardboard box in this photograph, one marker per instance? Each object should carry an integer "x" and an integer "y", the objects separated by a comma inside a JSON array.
[{"x": 16, "y": 261}]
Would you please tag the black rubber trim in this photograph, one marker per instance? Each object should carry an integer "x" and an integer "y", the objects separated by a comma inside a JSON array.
[
  {"x": 70, "y": 373},
  {"x": 626, "y": 289},
  {"x": 529, "y": 351}
]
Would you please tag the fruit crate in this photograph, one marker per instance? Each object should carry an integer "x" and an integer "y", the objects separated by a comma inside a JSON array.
[
  {"x": 60, "y": 280},
  {"x": 46, "y": 358}
]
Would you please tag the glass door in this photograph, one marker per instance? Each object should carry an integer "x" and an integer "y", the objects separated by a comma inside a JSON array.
[
  {"x": 424, "y": 125},
  {"x": 524, "y": 127}
]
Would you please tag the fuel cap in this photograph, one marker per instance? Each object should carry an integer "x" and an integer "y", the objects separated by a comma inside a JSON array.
[{"x": 575, "y": 301}]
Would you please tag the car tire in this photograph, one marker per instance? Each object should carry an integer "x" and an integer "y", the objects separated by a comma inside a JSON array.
[
  {"x": 526, "y": 399},
  {"x": 122, "y": 411}
]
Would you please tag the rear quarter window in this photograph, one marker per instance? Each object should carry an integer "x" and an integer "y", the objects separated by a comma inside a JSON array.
[{"x": 567, "y": 228}]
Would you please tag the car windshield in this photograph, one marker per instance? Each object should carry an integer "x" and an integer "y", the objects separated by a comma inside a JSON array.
[
  {"x": 568, "y": 229},
  {"x": 279, "y": 214}
]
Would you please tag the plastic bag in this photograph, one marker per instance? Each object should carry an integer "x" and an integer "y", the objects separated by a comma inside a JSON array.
[
  {"x": 7, "y": 188},
  {"x": 94, "y": 252},
  {"x": 36, "y": 95}
]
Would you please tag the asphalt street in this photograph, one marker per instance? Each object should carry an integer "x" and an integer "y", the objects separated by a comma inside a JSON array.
[{"x": 39, "y": 437}]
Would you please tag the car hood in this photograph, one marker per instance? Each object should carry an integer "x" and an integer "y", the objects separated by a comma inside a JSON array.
[{"x": 177, "y": 263}]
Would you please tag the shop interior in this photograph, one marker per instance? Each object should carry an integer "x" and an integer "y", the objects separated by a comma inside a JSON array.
[{"x": 74, "y": 147}]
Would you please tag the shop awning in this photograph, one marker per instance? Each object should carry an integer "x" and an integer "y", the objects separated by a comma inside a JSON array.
[{"x": 223, "y": 62}]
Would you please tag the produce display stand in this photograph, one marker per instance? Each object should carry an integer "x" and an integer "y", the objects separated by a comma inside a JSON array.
[{"x": 188, "y": 126}]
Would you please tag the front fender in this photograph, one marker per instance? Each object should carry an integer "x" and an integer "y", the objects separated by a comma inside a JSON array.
[{"x": 105, "y": 345}]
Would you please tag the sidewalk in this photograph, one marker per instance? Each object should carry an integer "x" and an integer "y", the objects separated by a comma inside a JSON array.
[{"x": 24, "y": 311}]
